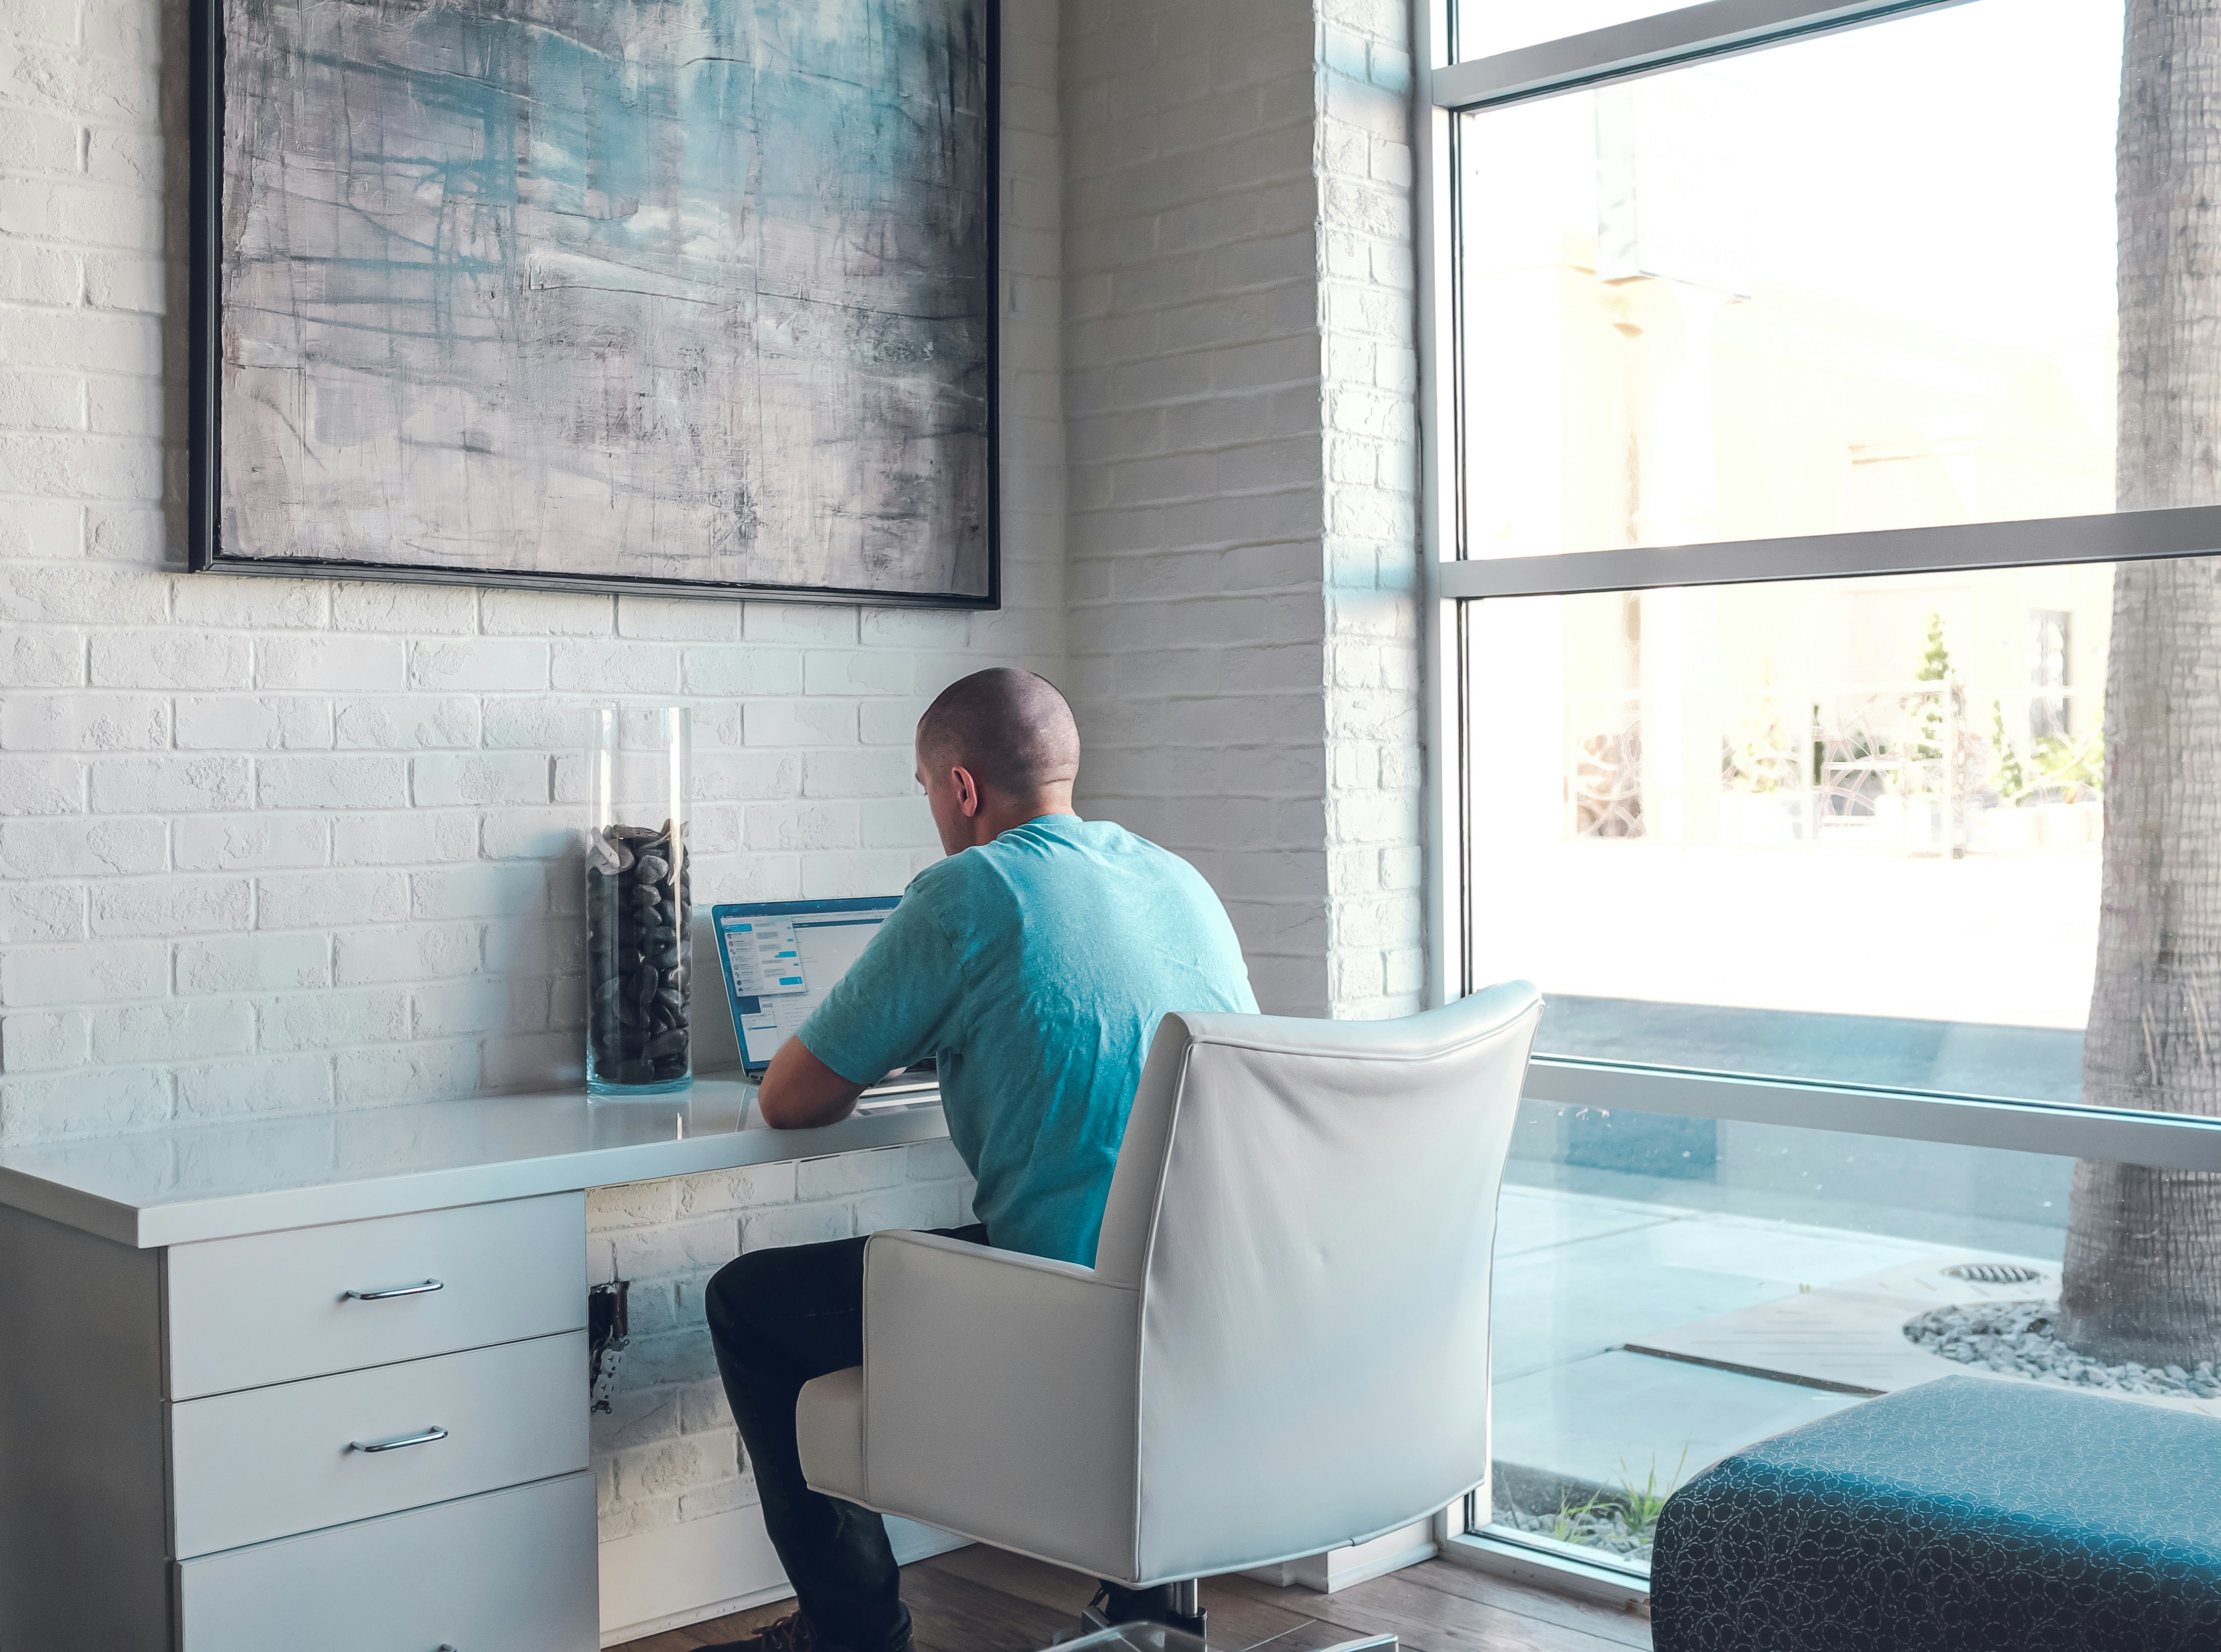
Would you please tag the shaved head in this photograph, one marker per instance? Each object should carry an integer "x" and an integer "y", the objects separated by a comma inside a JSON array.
[{"x": 1011, "y": 728}]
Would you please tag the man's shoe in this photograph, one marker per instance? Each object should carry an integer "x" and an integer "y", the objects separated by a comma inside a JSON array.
[{"x": 789, "y": 1633}]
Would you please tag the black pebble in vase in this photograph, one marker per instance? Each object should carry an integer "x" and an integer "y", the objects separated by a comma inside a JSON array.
[{"x": 639, "y": 985}]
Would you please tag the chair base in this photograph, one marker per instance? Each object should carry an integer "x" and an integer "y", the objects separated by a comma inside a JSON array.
[
  {"x": 1092, "y": 1622},
  {"x": 1176, "y": 1631},
  {"x": 1099, "y": 1636},
  {"x": 1176, "y": 1606},
  {"x": 1128, "y": 1637}
]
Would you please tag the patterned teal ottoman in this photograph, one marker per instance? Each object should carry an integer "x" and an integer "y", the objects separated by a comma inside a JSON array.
[{"x": 1965, "y": 1514}]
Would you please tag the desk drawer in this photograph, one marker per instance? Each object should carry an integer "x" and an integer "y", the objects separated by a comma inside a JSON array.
[
  {"x": 272, "y": 1462},
  {"x": 274, "y": 1307},
  {"x": 510, "y": 1572}
]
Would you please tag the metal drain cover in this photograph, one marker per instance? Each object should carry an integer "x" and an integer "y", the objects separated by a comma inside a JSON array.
[{"x": 1993, "y": 1272}]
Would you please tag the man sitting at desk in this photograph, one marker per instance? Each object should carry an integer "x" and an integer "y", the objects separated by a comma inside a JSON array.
[{"x": 1033, "y": 964}]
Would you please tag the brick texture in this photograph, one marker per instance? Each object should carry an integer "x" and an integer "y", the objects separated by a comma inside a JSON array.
[
  {"x": 1375, "y": 914},
  {"x": 1239, "y": 369},
  {"x": 281, "y": 845},
  {"x": 665, "y": 1450},
  {"x": 285, "y": 846}
]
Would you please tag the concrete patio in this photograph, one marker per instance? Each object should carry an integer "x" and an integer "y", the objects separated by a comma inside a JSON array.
[{"x": 1640, "y": 1341}]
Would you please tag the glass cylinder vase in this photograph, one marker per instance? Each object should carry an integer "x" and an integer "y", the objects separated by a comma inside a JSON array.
[{"x": 639, "y": 885}]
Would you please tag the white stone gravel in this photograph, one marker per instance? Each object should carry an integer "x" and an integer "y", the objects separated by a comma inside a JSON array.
[{"x": 2016, "y": 1338}]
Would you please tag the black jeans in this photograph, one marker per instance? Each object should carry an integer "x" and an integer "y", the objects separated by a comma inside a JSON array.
[{"x": 778, "y": 1318}]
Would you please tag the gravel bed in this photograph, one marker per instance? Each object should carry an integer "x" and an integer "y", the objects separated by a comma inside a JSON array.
[{"x": 2018, "y": 1338}]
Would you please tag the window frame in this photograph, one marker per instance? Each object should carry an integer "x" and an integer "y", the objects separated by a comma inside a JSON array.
[{"x": 1444, "y": 88}]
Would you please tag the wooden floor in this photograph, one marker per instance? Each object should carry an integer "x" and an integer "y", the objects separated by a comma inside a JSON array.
[{"x": 981, "y": 1600}]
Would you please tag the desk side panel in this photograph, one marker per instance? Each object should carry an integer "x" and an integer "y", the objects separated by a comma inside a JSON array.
[{"x": 83, "y": 1517}]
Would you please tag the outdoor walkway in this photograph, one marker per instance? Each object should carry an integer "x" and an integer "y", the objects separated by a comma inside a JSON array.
[
  {"x": 1577, "y": 1278},
  {"x": 1637, "y": 1341}
]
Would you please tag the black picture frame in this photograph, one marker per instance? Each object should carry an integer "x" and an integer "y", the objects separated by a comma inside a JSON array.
[{"x": 205, "y": 551}]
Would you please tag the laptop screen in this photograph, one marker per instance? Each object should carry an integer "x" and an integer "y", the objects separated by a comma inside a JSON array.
[{"x": 781, "y": 957}]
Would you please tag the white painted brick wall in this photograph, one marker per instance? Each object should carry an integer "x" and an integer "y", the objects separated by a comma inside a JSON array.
[
  {"x": 1192, "y": 398},
  {"x": 1375, "y": 870},
  {"x": 1239, "y": 378},
  {"x": 665, "y": 1450},
  {"x": 272, "y": 846},
  {"x": 278, "y": 846}
]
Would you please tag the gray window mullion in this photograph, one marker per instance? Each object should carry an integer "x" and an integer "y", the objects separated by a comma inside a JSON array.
[
  {"x": 2170, "y": 1141},
  {"x": 1648, "y": 44},
  {"x": 2111, "y": 536}
]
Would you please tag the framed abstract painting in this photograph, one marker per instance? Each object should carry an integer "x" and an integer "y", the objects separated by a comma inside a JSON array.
[{"x": 693, "y": 296}]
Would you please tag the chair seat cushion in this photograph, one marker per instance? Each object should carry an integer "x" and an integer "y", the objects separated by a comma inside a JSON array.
[
  {"x": 828, "y": 1427},
  {"x": 1965, "y": 1513}
]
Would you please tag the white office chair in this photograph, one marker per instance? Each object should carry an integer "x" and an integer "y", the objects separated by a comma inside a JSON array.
[{"x": 1282, "y": 1347}]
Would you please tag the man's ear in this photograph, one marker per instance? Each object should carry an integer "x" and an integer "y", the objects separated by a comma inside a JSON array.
[{"x": 968, "y": 792}]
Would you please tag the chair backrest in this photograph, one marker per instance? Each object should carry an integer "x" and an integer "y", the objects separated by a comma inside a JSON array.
[{"x": 1309, "y": 1208}]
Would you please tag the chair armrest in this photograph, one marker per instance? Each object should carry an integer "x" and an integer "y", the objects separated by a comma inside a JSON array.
[{"x": 999, "y": 1397}]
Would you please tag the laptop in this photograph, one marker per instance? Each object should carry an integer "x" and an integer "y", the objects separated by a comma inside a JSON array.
[{"x": 781, "y": 957}]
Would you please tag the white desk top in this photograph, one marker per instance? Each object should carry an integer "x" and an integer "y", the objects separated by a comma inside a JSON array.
[{"x": 211, "y": 1181}]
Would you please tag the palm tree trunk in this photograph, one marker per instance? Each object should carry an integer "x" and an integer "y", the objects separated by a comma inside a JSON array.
[{"x": 2144, "y": 1245}]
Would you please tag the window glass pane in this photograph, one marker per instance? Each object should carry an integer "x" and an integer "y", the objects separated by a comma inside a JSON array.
[
  {"x": 1949, "y": 832},
  {"x": 1488, "y": 26},
  {"x": 1669, "y": 1290},
  {"x": 1864, "y": 280}
]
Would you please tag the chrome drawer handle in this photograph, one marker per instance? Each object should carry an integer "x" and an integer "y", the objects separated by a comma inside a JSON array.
[
  {"x": 425, "y": 1438},
  {"x": 392, "y": 1291}
]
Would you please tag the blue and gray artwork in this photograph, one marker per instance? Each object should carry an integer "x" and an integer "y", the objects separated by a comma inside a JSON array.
[{"x": 678, "y": 289}]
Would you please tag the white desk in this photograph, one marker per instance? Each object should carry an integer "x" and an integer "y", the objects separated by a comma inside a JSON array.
[{"x": 207, "y": 1325}]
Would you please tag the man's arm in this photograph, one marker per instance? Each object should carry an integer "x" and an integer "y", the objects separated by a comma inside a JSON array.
[
  {"x": 800, "y": 1092},
  {"x": 881, "y": 1015}
]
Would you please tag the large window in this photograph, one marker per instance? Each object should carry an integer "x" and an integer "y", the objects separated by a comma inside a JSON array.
[
  {"x": 1670, "y": 1289},
  {"x": 1823, "y": 419},
  {"x": 1820, "y": 829},
  {"x": 1763, "y": 297}
]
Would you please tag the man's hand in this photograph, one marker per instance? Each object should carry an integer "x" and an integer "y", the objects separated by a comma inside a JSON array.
[{"x": 800, "y": 1092}]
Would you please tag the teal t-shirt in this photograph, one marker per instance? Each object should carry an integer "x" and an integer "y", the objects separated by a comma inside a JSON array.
[{"x": 1035, "y": 970}]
